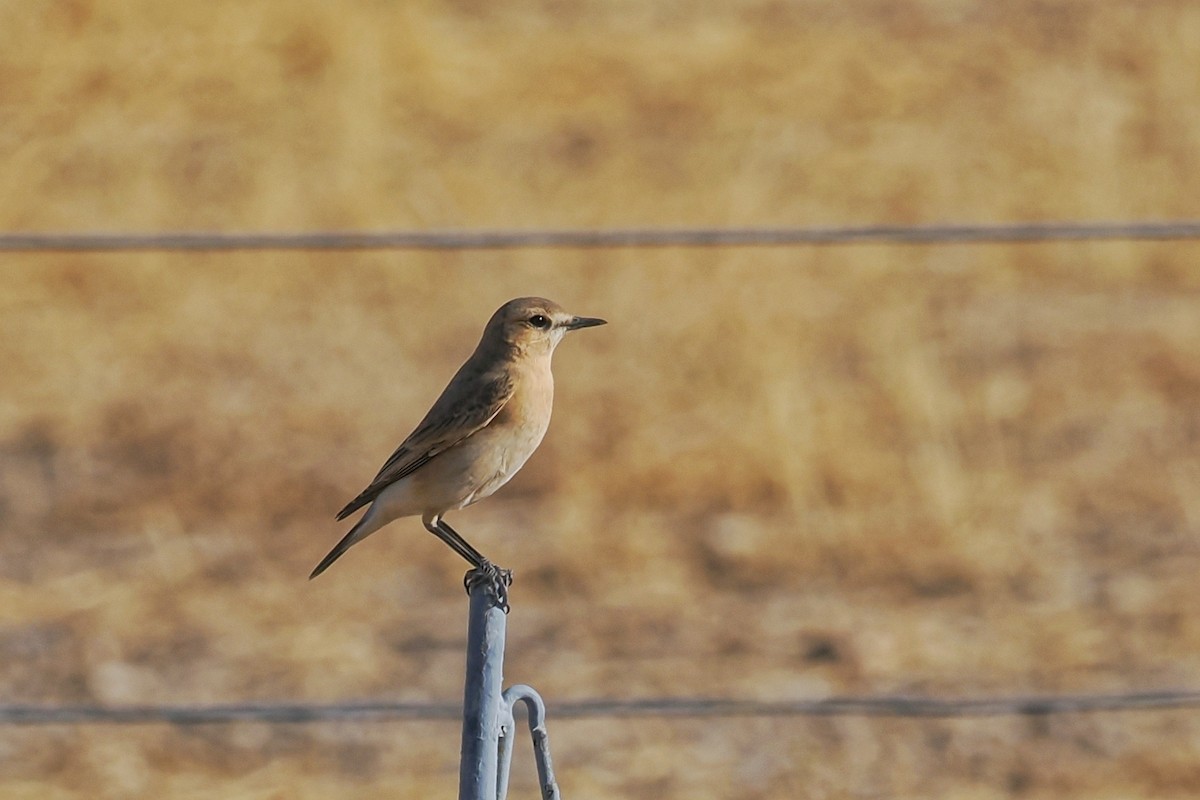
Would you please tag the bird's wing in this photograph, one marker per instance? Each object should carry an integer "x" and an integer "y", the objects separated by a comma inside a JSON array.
[{"x": 455, "y": 416}]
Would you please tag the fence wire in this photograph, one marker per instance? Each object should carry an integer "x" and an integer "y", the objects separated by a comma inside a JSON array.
[
  {"x": 1178, "y": 230},
  {"x": 878, "y": 706}
]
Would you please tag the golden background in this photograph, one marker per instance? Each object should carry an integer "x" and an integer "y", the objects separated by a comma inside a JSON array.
[{"x": 779, "y": 473}]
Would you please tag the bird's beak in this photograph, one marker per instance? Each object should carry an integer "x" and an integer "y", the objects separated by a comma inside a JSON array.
[{"x": 584, "y": 322}]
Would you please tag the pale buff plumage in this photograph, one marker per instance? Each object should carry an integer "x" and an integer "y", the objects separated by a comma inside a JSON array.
[{"x": 483, "y": 428}]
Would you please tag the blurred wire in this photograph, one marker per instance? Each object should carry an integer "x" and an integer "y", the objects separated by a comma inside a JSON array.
[
  {"x": 884, "y": 706},
  {"x": 632, "y": 237}
]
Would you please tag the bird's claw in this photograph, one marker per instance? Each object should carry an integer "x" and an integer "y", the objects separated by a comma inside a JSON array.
[{"x": 495, "y": 579}]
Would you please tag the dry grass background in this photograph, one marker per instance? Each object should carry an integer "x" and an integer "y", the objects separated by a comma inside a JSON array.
[{"x": 778, "y": 473}]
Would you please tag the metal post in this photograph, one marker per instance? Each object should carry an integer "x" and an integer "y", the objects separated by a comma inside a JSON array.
[
  {"x": 477, "y": 779},
  {"x": 541, "y": 745}
]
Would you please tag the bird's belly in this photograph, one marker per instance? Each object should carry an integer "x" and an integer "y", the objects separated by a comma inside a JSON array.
[{"x": 478, "y": 466}]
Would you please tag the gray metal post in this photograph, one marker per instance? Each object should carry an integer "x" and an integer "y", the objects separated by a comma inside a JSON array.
[
  {"x": 541, "y": 745},
  {"x": 477, "y": 777}
]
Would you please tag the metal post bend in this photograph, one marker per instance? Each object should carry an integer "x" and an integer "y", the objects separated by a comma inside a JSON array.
[{"x": 536, "y": 710}]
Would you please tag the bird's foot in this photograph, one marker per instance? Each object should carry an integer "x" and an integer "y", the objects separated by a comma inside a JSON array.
[{"x": 495, "y": 579}]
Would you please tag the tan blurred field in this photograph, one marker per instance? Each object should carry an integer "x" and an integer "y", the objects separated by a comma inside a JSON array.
[{"x": 778, "y": 473}]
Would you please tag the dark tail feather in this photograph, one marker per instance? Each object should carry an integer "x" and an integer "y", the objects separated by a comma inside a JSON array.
[
  {"x": 354, "y": 505},
  {"x": 336, "y": 553}
]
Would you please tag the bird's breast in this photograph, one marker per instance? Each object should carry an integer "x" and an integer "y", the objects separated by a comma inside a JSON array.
[{"x": 487, "y": 459}]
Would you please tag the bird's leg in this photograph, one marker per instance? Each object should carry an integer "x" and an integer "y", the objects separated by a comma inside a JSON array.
[
  {"x": 497, "y": 579},
  {"x": 480, "y": 563},
  {"x": 455, "y": 542}
]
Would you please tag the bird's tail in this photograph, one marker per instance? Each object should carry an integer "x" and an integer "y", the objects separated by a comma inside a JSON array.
[{"x": 356, "y": 534}]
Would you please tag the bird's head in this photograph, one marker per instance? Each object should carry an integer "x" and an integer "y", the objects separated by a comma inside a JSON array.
[{"x": 533, "y": 325}]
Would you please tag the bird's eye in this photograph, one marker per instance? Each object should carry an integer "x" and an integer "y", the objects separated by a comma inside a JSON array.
[{"x": 539, "y": 321}]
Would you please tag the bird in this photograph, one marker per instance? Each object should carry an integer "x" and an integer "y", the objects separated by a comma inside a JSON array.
[{"x": 481, "y": 430}]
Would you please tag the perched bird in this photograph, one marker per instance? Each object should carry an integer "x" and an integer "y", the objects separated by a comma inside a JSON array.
[{"x": 488, "y": 421}]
